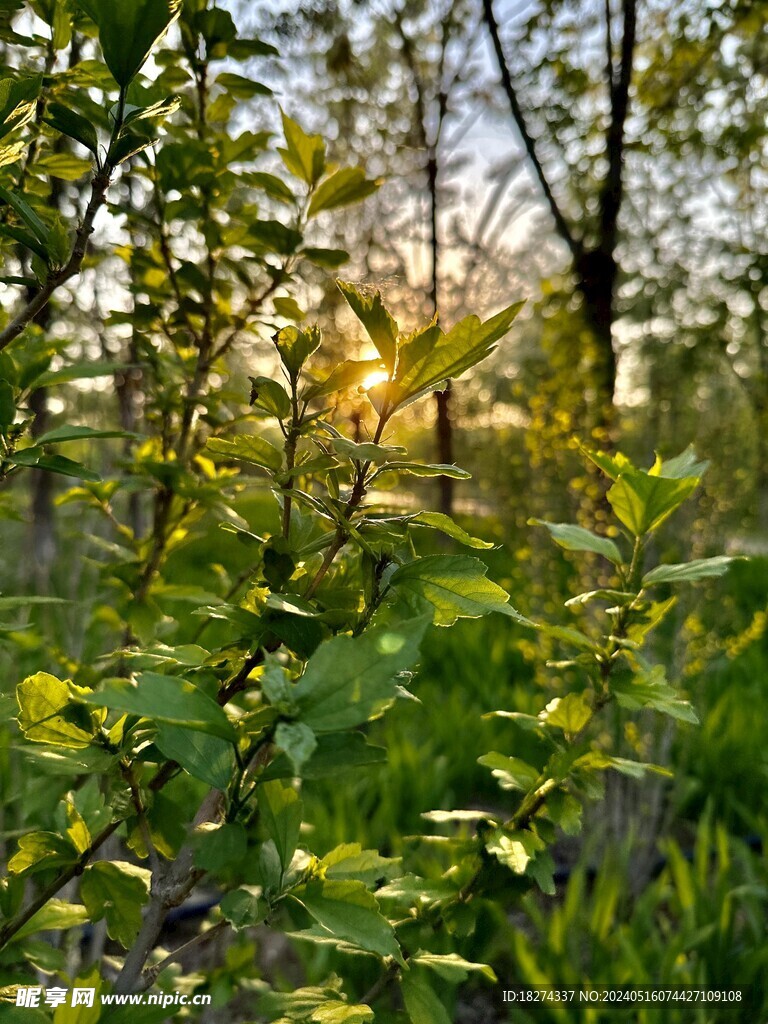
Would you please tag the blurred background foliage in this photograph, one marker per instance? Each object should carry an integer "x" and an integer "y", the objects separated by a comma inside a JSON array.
[{"x": 480, "y": 205}]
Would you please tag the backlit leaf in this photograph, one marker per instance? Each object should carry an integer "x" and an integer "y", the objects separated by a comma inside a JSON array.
[
  {"x": 349, "y": 680},
  {"x": 455, "y": 585},
  {"x": 345, "y": 186},
  {"x": 377, "y": 320},
  {"x": 576, "y": 538},
  {"x": 128, "y": 30},
  {"x": 350, "y": 912},
  {"x": 256, "y": 451},
  {"x": 166, "y": 699},
  {"x": 116, "y": 890},
  {"x": 642, "y": 502},
  {"x": 687, "y": 572}
]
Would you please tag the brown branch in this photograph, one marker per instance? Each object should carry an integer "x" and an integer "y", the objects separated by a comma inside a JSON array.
[
  {"x": 151, "y": 974},
  {"x": 12, "y": 926},
  {"x": 610, "y": 70},
  {"x": 168, "y": 891},
  {"x": 54, "y": 281},
  {"x": 529, "y": 143},
  {"x": 611, "y": 192}
]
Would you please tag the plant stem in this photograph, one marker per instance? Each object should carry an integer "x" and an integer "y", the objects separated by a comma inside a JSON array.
[
  {"x": 14, "y": 925},
  {"x": 151, "y": 974}
]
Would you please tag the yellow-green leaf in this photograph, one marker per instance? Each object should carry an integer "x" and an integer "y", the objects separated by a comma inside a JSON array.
[
  {"x": 303, "y": 155},
  {"x": 642, "y": 502},
  {"x": 116, "y": 890},
  {"x": 49, "y": 712},
  {"x": 256, "y": 451}
]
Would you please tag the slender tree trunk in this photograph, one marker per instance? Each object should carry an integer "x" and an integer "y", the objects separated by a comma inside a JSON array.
[
  {"x": 596, "y": 271},
  {"x": 595, "y": 267},
  {"x": 444, "y": 423},
  {"x": 43, "y": 526}
]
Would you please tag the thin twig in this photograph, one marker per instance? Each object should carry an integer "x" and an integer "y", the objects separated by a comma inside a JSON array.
[
  {"x": 40, "y": 300},
  {"x": 151, "y": 974}
]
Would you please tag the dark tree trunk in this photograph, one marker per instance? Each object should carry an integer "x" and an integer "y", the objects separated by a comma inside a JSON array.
[
  {"x": 595, "y": 267},
  {"x": 596, "y": 272},
  {"x": 43, "y": 526}
]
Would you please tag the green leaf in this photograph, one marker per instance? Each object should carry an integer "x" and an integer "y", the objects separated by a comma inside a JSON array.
[
  {"x": 345, "y": 186},
  {"x": 35, "y": 458},
  {"x": 455, "y": 585},
  {"x": 299, "y": 1003},
  {"x": 274, "y": 236},
  {"x": 287, "y": 306},
  {"x": 431, "y": 357},
  {"x": 129, "y": 143},
  {"x": 365, "y": 451},
  {"x": 27, "y": 215},
  {"x": 217, "y": 846},
  {"x": 684, "y": 465},
  {"x": 651, "y": 690},
  {"x": 7, "y": 404},
  {"x": 256, "y": 451},
  {"x": 48, "y": 712},
  {"x": 78, "y": 831},
  {"x": 65, "y": 1013},
  {"x": 351, "y": 861},
  {"x": 277, "y": 189},
  {"x": 515, "y": 849},
  {"x": 39, "y": 851},
  {"x": 303, "y": 155},
  {"x": 62, "y": 434},
  {"x": 205, "y": 757},
  {"x": 244, "y": 907},
  {"x": 565, "y": 811},
  {"x": 439, "y": 521},
  {"x": 281, "y": 810},
  {"x": 451, "y": 966},
  {"x": 298, "y": 741},
  {"x": 419, "y": 469},
  {"x": 350, "y": 912},
  {"x": 687, "y": 572},
  {"x": 512, "y": 772},
  {"x": 128, "y": 30},
  {"x": 25, "y": 238},
  {"x": 542, "y": 870},
  {"x": 599, "y": 761},
  {"x": 576, "y": 538},
  {"x": 612, "y": 465},
  {"x": 161, "y": 109},
  {"x": 377, "y": 320},
  {"x": 616, "y": 597},
  {"x": 335, "y": 753},
  {"x": 72, "y": 124},
  {"x": 296, "y": 346},
  {"x": 331, "y": 259},
  {"x": 65, "y": 166},
  {"x": 269, "y": 395},
  {"x": 350, "y": 680},
  {"x": 336, "y": 1012},
  {"x": 9, "y": 154},
  {"x": 18, "y": 101},
  {"x": 116, "y": 890},
  {"x": 422, "y": 1004},
  {"x": 56, "y": 915},
  {"x": 24, "y": 600},
  {"x": 569, "y": 713},
  {"x": 77, "y": 371},
  {"x": 166, "y": 699},
  {"x": 345, "y": 375},
  {"x": 643, "y": 502}
]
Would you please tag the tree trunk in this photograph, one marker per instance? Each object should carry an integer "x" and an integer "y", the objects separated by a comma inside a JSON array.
[{"x": 596, "y": 272}]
